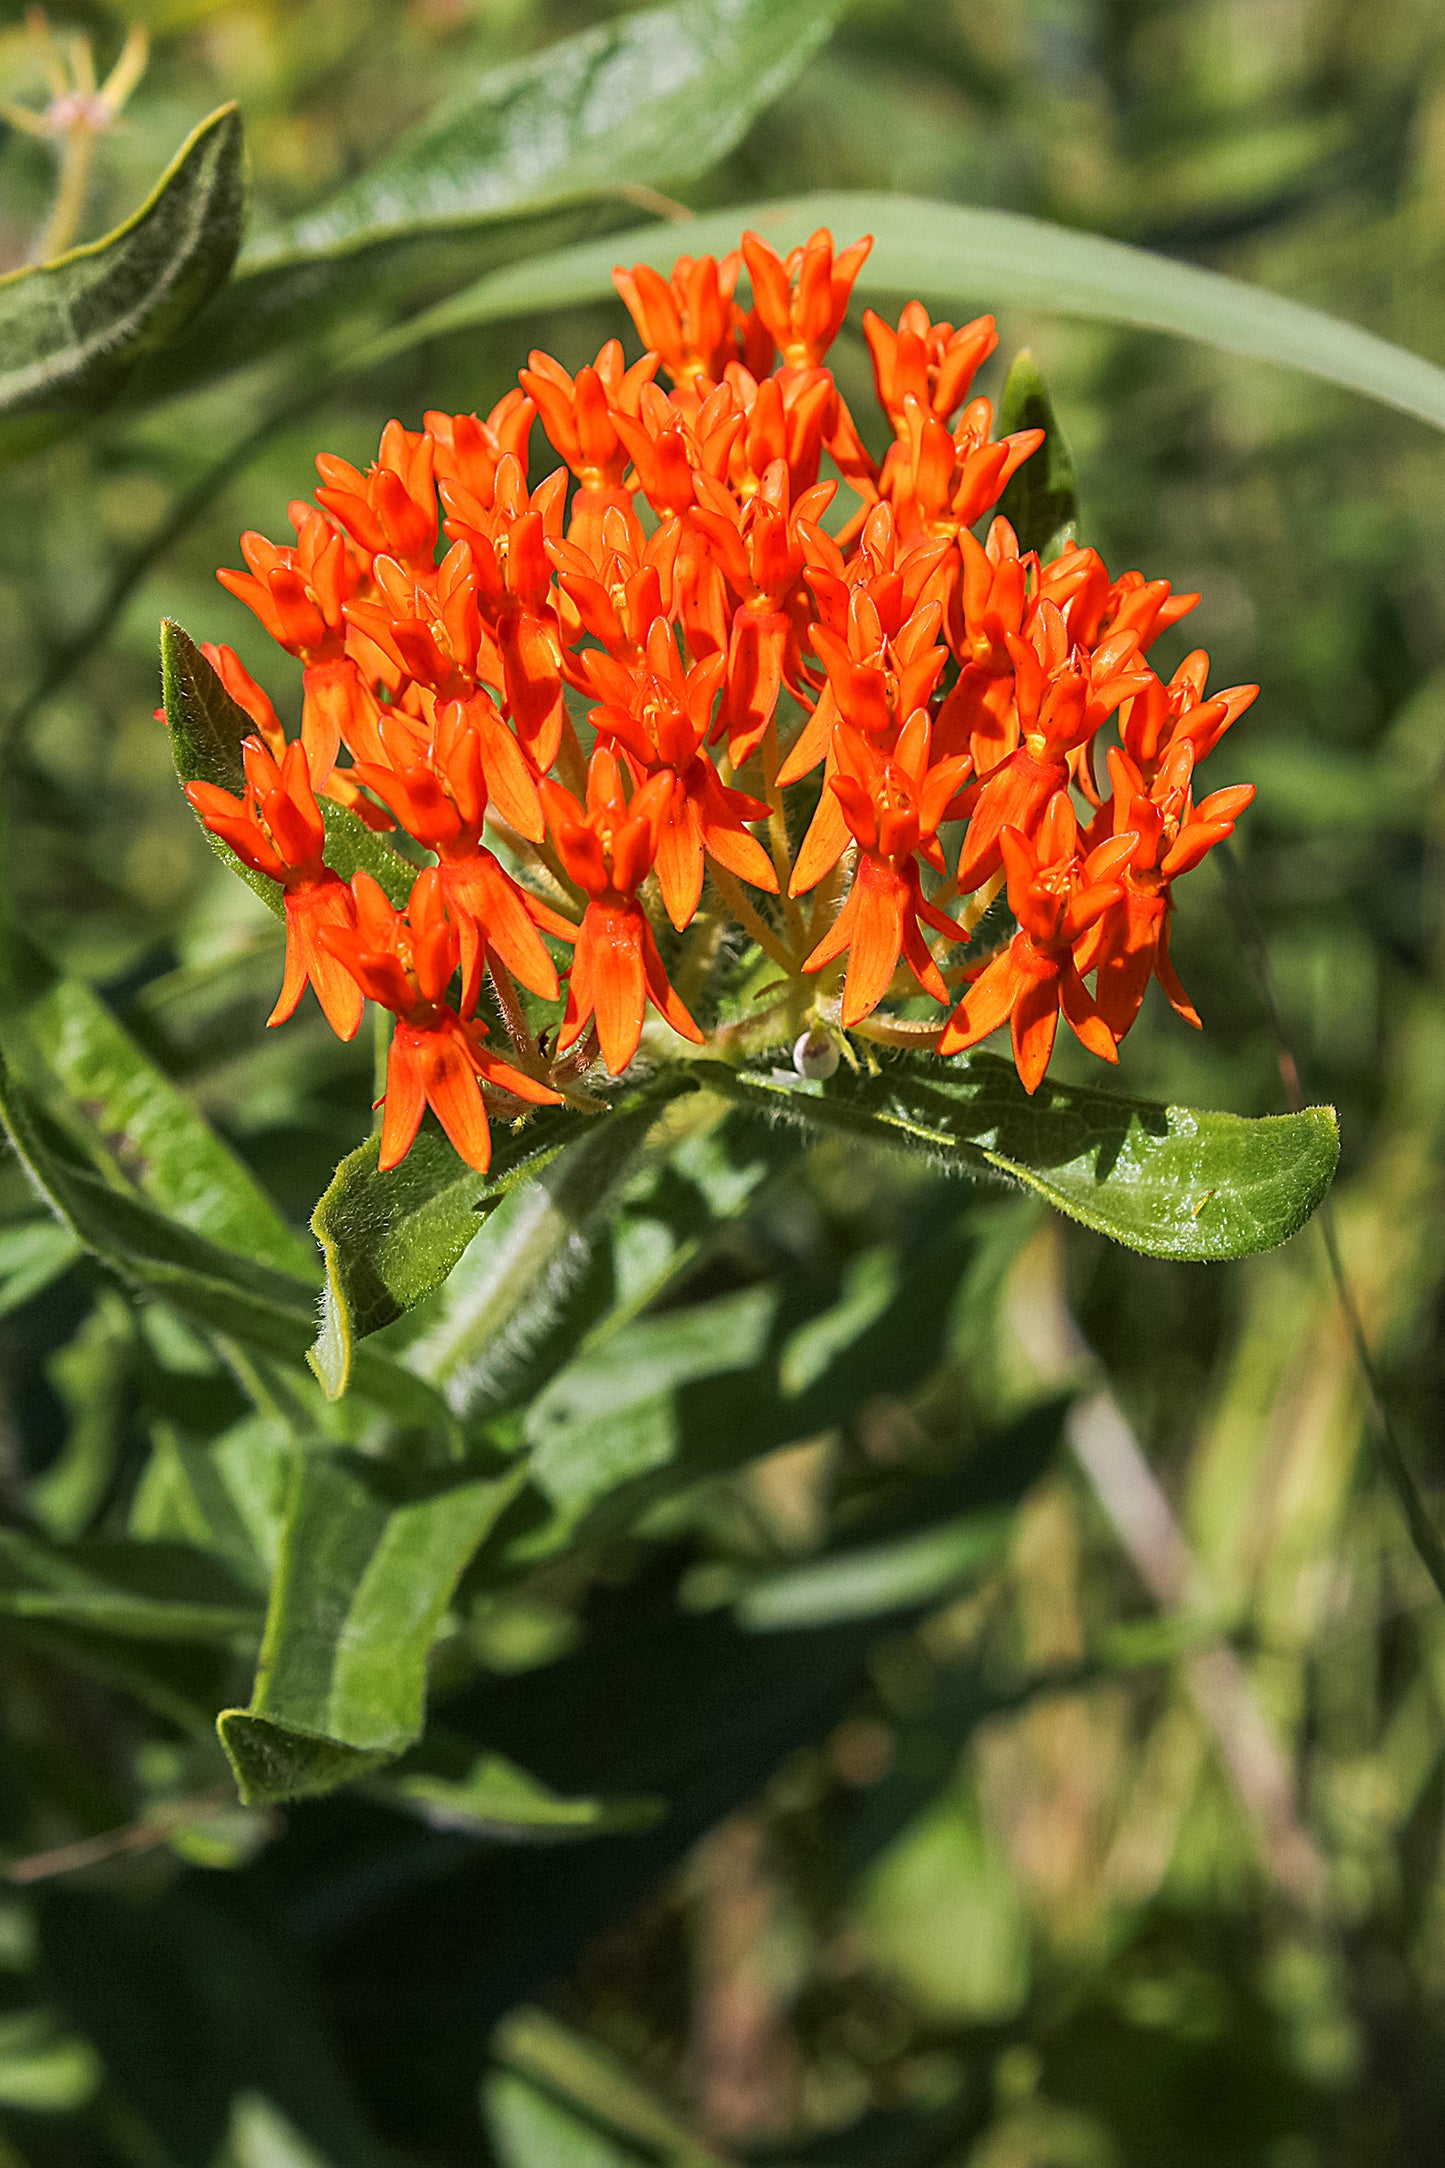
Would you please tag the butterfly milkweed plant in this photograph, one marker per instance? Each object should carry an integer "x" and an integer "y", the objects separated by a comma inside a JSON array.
[{"x": 571, "y": 1296}]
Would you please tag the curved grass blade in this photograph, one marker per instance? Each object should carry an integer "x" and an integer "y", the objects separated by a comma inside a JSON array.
[{"x": 960, "y": 255}]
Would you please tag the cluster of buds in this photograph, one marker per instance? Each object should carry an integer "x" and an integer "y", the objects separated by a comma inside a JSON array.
[{"x": 722, "y": 667}]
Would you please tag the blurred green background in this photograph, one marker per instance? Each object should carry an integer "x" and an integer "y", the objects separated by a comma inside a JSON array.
[{"x": 1066, "y": 1881}]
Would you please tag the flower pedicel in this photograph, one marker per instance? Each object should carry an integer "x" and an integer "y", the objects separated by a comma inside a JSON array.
[{"x": 863, "y": 729}]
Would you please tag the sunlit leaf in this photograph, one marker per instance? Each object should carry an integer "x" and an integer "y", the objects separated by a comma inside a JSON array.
[
  {"x": 491, "y": 1797},
  {"x": 640, "y": 103},
  {"x": 365, "y": 1574},
  {"x": 965, "y": 257},
  {"x": 1165, "y": 1180},
  {"x": 71, "y": 331}
]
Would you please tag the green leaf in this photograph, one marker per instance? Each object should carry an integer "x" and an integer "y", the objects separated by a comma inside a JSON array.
[
  {"x": 1165, "y": 1180},
  {"x": 44, "y": 2069},
  {"x": 229, "y": 1294},
  {"x": 365, "y": 1574},
  {"x": 33, "y": 1255},
  {"x": 642, "y": 102},
  {"x": 390, "y": 1239},
  {"x": 63, "y": 1037},
  {"x": 148, "y": 1591},
  {"x": 562, "y": 2092},
  {"x": 959, "y": 255},
  {"x": 207, "y": 729},
  {"x": 1042, "y": 501},
  {"x": 71, "y": 331},
  {"x": 491, "y": 1797},
  {"x": 868, "y": 1583}
]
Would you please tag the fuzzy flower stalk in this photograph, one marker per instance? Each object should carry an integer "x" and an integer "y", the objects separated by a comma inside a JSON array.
[{"x": 725, "y": 721}]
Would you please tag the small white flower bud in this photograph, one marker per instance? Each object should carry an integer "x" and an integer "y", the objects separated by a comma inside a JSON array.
[{"x": 815, "y": 1056}]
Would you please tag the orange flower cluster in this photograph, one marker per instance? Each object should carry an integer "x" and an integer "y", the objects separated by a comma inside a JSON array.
[{"x": 690, "y": 651}]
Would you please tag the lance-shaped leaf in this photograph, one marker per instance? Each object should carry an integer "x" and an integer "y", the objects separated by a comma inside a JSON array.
[
  {"x": 207, "y": 729},
  {"x": 958, "y": 255},
  {"x": 147, "y": 1591},
  {"x": 365, "y": 1574},
  {"x": 1042, "y": 500},
  {"x": 232, "y": 1295},
  {"x": 1165, "y": 1180},
  {"x": 390, "y": 1239},
  {"x": 448, "y": 1786},
  {"x": 88, "y": 1070},
  {"x": 71, "y": 331},
  {"x": 645, "y": 101}
]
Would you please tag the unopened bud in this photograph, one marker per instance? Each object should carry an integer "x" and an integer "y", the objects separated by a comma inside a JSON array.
[{"x": 815, "y": 1056}]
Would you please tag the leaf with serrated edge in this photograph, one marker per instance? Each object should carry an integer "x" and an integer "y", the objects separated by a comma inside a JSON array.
[
  {"x": 1165, "y": 1180},
  {"x": 71, "y": 331},
  {"x": 364, "y": 1577},
  {"x": 206, "y": 732}
]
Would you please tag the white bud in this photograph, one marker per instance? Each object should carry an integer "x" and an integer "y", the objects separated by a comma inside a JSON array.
[{"x": 815, "y": 1056}]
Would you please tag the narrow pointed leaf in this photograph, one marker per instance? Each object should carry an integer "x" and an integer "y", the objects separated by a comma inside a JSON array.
[
  {"x": 71, "y": 331},
  {"x": 1042, "y": 501},
  {"x": 365, "y": 1574},
  {"x": 1165, "y": 1180},
  {"x": 263, "y": 1309},
  {"x": 147, "y": 1591},
  {"x": 966, "y": 257},
  {"x": 491, "y": 1797},
  {"x": 90, "y": 1072},
  {"x": 207, "y": 729}
]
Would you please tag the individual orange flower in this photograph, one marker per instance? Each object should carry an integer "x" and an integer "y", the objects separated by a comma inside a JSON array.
[
  {"x": 877, "y": 677},
  {"x": 941, "y": 480},
  {"x": 1161, "y": 716},
  {"x": 1056, "y": 896},
  {"x": 579, "y": 415},
  {"x": 691, "y": 321},
  {"x": 277, "y": 830},
  {"x": 1063, "y": 698},
  {"x": 893, "y": 803},
  {"x": 608, "y": 847},
  {"x": 759, "y": 548},
  {"x": 439, "y": 794},
  {"x": 1130, "y": 943},
  {"x": 802, "y": 298},
  {"x": 300, "y": 594},
  {"x": 929, "y": 362},
  {"x": 391, "y": 510},
  {"x": 406, "y": 964},
  {"x": 468, "y": 450},
  {"x": 661, "y": 715}
]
